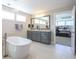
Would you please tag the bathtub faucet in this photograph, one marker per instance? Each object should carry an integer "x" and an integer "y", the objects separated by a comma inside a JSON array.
[{"x": 5, "y": 35}]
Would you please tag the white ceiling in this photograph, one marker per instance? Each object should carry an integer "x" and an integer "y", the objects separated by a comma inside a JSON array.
[{"x": 37, "y": 6}]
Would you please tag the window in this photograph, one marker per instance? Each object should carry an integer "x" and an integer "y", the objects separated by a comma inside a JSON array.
[
  {"x": 8, "y": 15},
  {"x": 63, "y": 20},
  {"x": 56, "y": 23},
  {"x": 61, "y": 23},
  {"x": 20, "y": 18},
  {"x": 69, "y": 23}
]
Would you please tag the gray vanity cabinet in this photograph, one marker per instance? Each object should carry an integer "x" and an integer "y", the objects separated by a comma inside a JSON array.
[
  {"x": 46, "y": 37},
  {"x": 35, "y": 35},
  {"x": 40, "y": 36}
]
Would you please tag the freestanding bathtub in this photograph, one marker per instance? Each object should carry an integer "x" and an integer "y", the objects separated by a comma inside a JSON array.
[{"x": 18, "y": 47}]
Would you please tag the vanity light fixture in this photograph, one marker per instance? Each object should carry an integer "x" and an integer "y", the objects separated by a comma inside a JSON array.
[
  {"x": 29, "y": 26},
  {"x": 32, "y": 25}
]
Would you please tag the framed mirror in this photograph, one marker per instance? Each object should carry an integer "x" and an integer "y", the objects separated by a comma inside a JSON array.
[{"x": 41, "y": 22}]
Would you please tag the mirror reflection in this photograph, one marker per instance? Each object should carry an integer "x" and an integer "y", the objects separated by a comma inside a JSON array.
[{"x": 40, "y": 22}]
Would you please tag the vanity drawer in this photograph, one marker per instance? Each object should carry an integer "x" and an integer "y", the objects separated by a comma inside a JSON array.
[
  {"x": 46, "y": 37},
  {"x": 36, "y": 36}
]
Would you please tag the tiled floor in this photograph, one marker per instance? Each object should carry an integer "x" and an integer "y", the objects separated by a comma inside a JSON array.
[
  {"x": 43, "y": 51},
  {"x": 63, "y": 40}
]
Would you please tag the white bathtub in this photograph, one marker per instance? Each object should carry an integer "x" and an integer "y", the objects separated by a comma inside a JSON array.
[{"x": 18, "y": 47}]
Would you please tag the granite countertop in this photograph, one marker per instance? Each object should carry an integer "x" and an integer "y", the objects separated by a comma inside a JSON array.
[{"x": 41, "y": 30}]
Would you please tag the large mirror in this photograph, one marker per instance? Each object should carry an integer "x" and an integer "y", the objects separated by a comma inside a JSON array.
[{"x": 41, "y": 22}]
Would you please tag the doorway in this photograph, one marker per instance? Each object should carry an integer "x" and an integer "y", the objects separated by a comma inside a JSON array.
[{"x": 63, "y": 27}]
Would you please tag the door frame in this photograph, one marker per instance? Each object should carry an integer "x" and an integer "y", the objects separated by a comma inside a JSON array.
[
  {"x": 55, "y": 22},
  {"x": 73, "y": 11}
]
